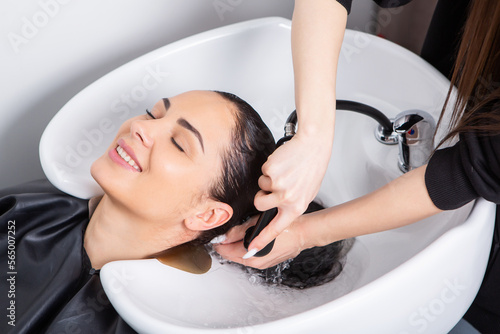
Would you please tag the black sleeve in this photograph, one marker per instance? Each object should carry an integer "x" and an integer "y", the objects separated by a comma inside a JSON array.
[
  {"x": 346, "y": 4},
  {"x": 464, "y": 172},
  {"x": 391, "y": 3},
  {"x": 382, "y": 3}
]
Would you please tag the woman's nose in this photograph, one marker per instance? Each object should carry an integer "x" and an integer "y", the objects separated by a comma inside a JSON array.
[{"x": 142, "y": 132}]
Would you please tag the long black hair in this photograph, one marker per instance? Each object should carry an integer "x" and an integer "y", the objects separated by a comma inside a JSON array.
[
  {"x": 252, "y": 142},
  {"x": 312, "y": 267}
]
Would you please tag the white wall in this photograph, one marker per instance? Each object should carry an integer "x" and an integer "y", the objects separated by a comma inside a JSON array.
[{"x": 52, "y": 49}]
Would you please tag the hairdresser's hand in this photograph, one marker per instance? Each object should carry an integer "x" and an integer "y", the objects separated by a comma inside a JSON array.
[
  {"x": 287, "y": 246},
  {"x": 291, "y": 179}
]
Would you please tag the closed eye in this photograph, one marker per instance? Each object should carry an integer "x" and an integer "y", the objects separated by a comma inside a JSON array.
[
  {"x": 176, "y": 145},
  {"x": 150, "y": 114}
]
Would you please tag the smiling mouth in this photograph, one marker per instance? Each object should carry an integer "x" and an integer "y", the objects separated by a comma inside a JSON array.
[{"x": 121, "y": 152}]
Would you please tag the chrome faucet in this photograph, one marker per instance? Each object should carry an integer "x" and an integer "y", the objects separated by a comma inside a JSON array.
[{"x": 414, "y": 130}]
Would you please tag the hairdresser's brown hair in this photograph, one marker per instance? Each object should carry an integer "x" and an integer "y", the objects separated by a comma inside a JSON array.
[{"x": 476, "y": 74}]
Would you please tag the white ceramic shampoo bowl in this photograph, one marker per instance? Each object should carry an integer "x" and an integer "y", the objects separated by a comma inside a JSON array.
[{"x": 416, "y": 279}]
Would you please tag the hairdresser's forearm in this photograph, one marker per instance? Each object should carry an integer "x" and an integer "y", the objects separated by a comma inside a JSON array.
[
  {"x": 399, "y": 203},
  {"x": 317, "y": 32}
]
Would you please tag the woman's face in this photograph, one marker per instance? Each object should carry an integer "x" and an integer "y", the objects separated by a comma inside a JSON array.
[{"x": 161, "y": 165}]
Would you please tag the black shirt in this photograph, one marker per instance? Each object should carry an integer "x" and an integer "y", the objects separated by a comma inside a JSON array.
[
  {"x": 468, "y": 170},
  {"x": 381, "y": 3},
  {"x": 457, "y": 175}
]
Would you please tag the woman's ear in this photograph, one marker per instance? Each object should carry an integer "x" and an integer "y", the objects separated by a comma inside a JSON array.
[{"x": 213, "y": 215}]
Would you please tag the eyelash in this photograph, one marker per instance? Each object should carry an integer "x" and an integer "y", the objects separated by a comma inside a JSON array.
[
  {"x": 172, "y": 139},
  {"x": 150, "y": 114},
  {"x": 176, "y": 145}
]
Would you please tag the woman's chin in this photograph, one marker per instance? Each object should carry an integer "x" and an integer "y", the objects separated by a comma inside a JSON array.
[
  {"x": 102, "y": 174},
  {"x": 95, "y": 170}
]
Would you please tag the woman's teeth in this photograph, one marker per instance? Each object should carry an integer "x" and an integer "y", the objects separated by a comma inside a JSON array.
[{"x": 127, "y": 158}]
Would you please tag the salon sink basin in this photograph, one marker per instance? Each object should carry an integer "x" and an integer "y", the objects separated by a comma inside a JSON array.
[{"x": 416, "y": 279}]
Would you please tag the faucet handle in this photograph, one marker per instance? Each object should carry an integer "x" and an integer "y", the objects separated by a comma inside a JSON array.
[
  {"x": 405, "y": 122},
  {"x": 414, "y": 126},
  {"x": 415, "y": 130}
]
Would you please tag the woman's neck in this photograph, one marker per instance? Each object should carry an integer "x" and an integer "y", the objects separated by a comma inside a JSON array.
[{"x": 113, "y": 234}]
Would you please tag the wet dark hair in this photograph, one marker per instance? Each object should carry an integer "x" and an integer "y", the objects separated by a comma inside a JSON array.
[
  {"x": 252, "y": 142},
  {"x": 312, "y": 267}
]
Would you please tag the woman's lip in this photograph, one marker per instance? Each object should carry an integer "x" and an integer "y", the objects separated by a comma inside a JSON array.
[
  {"x": 129, "y": 151},
  {"x": 115, "y": 157}
]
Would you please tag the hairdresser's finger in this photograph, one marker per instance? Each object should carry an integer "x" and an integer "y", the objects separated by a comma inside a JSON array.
[
  {"x": 232, "y": 252},
  {"x": 265, "y": 183},
  {"x": 237, "y": 233},
  {"x": 264, "y": 201},
  {"x": 282, "y": 220},
  {"x": 261, "y": 262}
]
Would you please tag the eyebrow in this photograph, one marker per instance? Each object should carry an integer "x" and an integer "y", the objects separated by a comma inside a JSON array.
[
  {"x": 185, "y": 124},
  {"x": 166, "y": 103}
]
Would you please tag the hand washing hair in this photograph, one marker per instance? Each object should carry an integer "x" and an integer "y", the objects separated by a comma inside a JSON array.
[
  {"x": 251, "y": 145},
  {"x": 312, "y": 267}
]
